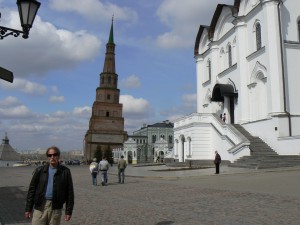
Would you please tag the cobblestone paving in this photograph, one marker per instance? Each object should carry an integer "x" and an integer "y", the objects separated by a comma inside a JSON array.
[{"x": 264, "y": 198}]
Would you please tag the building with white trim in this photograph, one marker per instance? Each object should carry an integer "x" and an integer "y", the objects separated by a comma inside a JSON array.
[{"x": 247, "y": 63}]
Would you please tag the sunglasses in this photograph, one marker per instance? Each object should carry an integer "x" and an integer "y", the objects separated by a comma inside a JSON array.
[{"x": 50, "y": 155}]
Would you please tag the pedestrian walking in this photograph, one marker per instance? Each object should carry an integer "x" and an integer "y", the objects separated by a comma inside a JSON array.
[
  {"x": 103, "y": 168},
  {"x": 51, "y": 186},
  {"x": 121, "y": 169},
  {"x": 94, "y": 171},
  {"x": 217, "y": 162}
]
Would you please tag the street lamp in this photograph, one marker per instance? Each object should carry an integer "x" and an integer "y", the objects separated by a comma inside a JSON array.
[{"x": 27, "y": 12}]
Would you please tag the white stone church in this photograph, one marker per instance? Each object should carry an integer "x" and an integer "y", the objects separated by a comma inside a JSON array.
[{"x": 248, "y": 67}]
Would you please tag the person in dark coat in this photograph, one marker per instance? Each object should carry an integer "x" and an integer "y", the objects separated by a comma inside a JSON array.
[
  {"x": 217, "y": 162},
  {"x": 50, "y": 188}
]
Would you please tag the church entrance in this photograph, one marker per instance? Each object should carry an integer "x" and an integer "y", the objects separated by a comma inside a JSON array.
[{"x": 226, "y": 94}]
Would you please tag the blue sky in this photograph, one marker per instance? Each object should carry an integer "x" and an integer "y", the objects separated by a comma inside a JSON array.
[{"x": 57, "y": 68}]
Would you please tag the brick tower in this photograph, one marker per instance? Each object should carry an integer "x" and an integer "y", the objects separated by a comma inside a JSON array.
[{"x": 106, "y": 126}]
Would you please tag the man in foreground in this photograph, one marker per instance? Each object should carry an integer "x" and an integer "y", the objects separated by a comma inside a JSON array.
[{"x": 51, "y": 186}]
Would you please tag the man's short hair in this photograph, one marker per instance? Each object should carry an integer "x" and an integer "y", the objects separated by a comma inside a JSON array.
[
  {"x": 55, "y": 148},
  {"x": 122, "y": 156}
]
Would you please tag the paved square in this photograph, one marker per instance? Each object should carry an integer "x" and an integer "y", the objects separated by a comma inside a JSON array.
[{"x": 235, "y": 197}]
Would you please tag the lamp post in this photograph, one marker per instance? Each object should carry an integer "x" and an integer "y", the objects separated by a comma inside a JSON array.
[{"x": 27, "y": 12}]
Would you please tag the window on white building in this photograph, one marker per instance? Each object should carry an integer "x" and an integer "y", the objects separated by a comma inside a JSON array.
[
  {"x": 258, "y": 36},
  {"x": 153, "y": 138},
  {"x": 222, "y": 62},
  {"x": 229, "y": 52},
  {"x": 209, "y": 69},
  {"x": 170, "y": 139},
  {"x": 299, "y": 30}
]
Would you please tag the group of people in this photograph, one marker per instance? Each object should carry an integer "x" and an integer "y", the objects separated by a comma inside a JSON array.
[
  {"x": 51, "y": 187},
  {"x": 103, "y": 167}
]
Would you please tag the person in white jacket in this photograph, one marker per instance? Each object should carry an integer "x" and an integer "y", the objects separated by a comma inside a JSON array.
[
  {"x": 103, "y": 168},
  {"x": 94, "y": 171}
]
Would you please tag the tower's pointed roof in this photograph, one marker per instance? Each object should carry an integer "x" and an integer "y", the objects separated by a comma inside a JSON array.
[
  {"x": 7, "y": 153},
  {"x": 111, "y": 34}
]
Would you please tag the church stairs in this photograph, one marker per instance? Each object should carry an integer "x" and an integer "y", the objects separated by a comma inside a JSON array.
[{"x": 262, "y": 155}]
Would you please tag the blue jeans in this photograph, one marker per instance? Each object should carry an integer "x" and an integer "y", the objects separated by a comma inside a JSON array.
[
  {"x": 121, "y": 175},
  {"x": 103, "y": 177},
  {"x": 94, "y": 178}
]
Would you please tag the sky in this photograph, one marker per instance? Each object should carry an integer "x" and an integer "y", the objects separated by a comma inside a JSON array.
[{"x": 56, "y": 70}]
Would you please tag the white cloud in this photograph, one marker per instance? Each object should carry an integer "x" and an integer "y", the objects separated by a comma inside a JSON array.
[
  {"x": 9, "y": 101},
  {"x": 61, "y": 128},
  {"x": 189, "y": 100},
  {"x": 134, "y": 106},
  {"x": 48, "y": 48},
  {"x": 54, "y": 89},
  {"x": 84, "y": 111},
  {"x": 186, "y": 107},
  {"x": 57, "y": 99},
  {"x": 184, "y": 18},
  {"x": 25, "y": 86},
  {"x": 95, "y": 10},
  {"x": 136, "y": 112},
  {"x": 132, "y": 81},
  {"x": 15, "y": 112}
]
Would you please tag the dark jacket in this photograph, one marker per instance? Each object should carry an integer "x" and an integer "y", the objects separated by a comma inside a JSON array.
[
  {"x": 217, "y": 159},
  {"x": 62, "y": 189}
]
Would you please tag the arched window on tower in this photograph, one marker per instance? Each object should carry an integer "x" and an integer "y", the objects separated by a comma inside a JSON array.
[
  {"x": 229, "y": 52},
  {"x": 102, "y": 80},
  {"x": 109, "y": 79},
  {"x": 258, "y": 36}
]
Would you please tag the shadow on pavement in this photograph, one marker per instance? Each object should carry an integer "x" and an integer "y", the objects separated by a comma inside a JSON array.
[{"x": 12, "y": 205}]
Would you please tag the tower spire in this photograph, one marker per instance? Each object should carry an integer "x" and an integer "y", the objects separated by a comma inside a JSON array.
[{"x": 111, "y": 34}]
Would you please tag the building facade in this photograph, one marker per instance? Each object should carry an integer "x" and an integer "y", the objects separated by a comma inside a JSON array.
[
  {"x": 247, "y": 68},
  {"x": 147, "y": 143},
  {"x": 106, "y": 126},
  {"x": 147, "y": 138}
]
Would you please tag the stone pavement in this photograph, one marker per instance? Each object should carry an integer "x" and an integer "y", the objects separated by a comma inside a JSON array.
[{"x": 153, "y": 196}]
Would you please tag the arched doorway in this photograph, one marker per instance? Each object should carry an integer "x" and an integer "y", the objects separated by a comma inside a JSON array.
[
  {"x": 226, "y": 94},
  {"x": 129, "y": 157}
]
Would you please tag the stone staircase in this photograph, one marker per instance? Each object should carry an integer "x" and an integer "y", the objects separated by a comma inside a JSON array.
[{"x": 262, "y": 155}]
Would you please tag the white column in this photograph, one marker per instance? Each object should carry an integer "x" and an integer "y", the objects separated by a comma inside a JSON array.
[
  {"x": 273, "y": 49},
  {"x": 215, "y": 63},
  {"x": 242, "y": 113},
  {"x": 200, "y": 74}
]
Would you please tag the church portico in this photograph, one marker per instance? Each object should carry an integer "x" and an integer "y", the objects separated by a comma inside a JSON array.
[{"x": 207, "y": 133}]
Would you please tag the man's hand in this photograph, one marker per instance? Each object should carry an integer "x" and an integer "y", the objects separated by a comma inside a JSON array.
[
  {"x": 27, "y": 215},
  {"x": 67, "y": 217}
]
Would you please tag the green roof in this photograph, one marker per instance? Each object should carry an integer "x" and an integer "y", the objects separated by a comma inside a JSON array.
[{"x": 111, "y": 35}]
